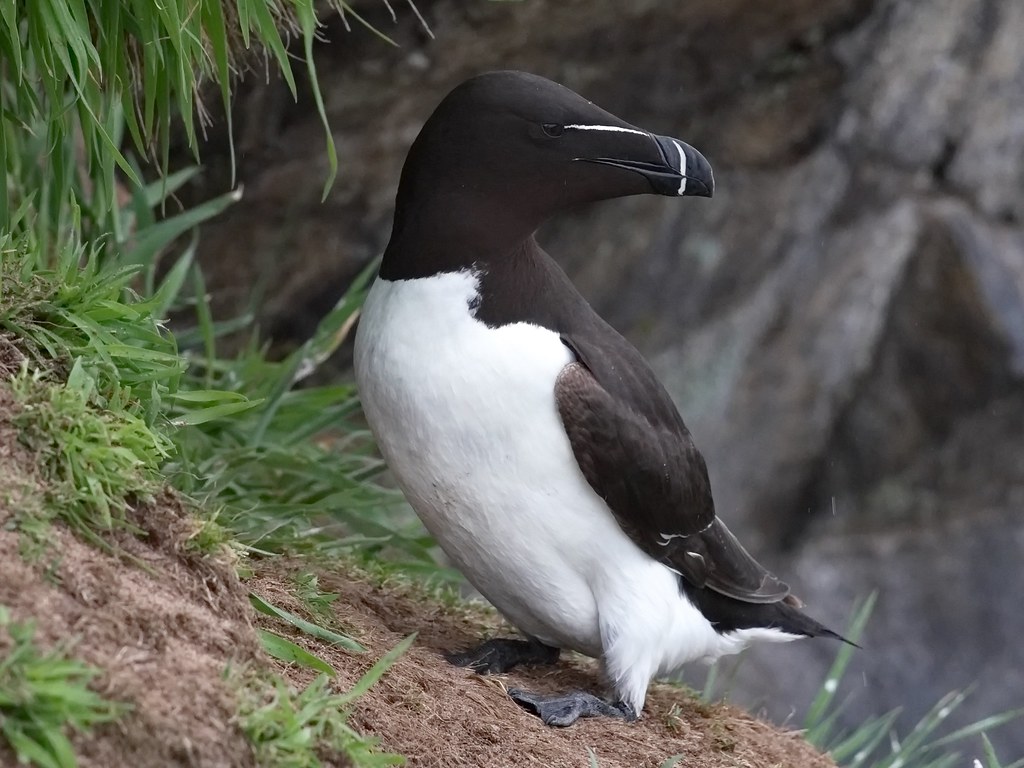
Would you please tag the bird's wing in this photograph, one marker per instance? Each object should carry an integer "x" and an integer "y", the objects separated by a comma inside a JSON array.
[{"x": 637, "y": 454}]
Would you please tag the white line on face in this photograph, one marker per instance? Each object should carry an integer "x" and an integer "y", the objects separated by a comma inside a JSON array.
[
  {"x": 682, "y": 167},
  {"x": 612, "y": 128}
]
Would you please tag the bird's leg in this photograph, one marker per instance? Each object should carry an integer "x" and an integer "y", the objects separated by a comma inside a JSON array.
[
  {"x": 500, "y": 655},
  {"x": 563, "y": 709}
]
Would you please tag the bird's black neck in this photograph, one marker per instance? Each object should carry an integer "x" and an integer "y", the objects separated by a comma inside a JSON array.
[{"x": 452, "y": 233}]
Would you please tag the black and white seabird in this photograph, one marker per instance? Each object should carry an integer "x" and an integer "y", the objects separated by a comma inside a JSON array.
[{"x": 534, "y": 441}]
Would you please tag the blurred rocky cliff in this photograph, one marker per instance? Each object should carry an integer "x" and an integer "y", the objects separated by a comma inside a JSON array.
[{"x": 842, "y": 325}]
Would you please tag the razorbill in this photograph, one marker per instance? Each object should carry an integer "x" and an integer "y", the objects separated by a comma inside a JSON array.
[{"x": 534, "y": 442}]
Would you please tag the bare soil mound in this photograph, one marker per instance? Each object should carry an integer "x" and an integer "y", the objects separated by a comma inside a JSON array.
[{"x": 441, "y": 716}]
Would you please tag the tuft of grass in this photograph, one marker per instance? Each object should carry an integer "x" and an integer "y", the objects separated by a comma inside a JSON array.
[
  {"x": 95, "y": 458},
  {"x": 76, "y": 309},
  {"x": 317, "y": 602},
  {"x": 290, "y": 467},
  {"x": 292, "y": 729},
  {"x": 90, "y": 92},
  {"x": 83, "y": 82},
  {"x": 212, "y": 538},
  {"x": 289, "y": 729},
  {"x": 287, "y": 468},
  {"x": 44, "y": 696}
]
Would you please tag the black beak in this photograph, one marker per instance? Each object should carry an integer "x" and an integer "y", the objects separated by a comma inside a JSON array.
[{"x": 682, "y": 170}]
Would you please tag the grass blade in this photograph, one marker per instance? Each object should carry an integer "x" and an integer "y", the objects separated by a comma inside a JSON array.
[
  {"x": 980, "y": 727},
  {"x": 311, "y": 629},
  {"x": 819, "y": 707},
  {"x": 214, "y": 412},
  {"x": 377, "y": 670},
  {"x": 285, "y": 650}
]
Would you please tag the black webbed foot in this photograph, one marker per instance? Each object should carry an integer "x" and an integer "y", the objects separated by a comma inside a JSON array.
[
  {"x": 500, "y": 655},
  {"x": 564, "y": 709}
]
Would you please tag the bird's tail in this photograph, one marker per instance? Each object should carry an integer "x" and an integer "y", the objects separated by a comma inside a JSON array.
[
  {"x": 790, "y": 618},
  {"x": 728, "y": 614}
]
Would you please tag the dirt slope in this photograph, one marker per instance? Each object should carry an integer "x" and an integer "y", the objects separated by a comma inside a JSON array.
[
  {"x": 162, "y": 638},
  {"x": 165, "y": 634},
  {"x": 438, "y": 715}
]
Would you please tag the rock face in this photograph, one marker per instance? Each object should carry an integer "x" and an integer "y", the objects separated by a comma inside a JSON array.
[{"x": 842, "y": 325}]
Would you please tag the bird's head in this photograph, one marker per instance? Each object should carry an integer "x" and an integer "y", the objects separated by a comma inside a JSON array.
[{"x": 514, "y": 147}]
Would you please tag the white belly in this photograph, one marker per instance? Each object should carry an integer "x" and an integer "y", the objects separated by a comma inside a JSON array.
[{"x": 465, "y": 416}]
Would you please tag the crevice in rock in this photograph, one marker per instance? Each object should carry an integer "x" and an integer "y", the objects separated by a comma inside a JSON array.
[{"x": 940, "y": 168}]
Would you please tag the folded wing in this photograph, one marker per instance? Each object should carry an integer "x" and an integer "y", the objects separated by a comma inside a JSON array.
[{"x": 636, "y": 453}]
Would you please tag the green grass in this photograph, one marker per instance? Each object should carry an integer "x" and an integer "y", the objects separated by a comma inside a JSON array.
[
  {"x": 991, "y": 759},
  {"x": 212, "y": 538},
  {"x": 74, "y": 309},
  {"x": 292, "y": 729},
  {"x": 291, "y": 468},
  {"x": 319, "y": 631},
  {"x": 45, "y": 696},
  {"x": 282, "y": 466},
  {"x": 95, "y": 458},
  {"x": 86, "y": 282},
  {"x": 317, "y": 602},
  {"x": 98, "y": 367},
  {"x": 100, "y": 373},
  {"x": 87, "y": 86},
  {"x": 289, "y": 729},
  {"x": 876, "y": 742}
]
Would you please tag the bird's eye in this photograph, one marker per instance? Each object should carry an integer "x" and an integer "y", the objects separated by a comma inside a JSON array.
[{"x": 554, "y": 130}]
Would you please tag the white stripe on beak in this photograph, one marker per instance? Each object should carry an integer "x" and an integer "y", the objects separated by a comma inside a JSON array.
[
  {"x": 682, "y": 167},
  {"x": 612, "y": 128}
]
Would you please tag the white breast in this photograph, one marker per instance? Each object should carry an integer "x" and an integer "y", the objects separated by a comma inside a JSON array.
[{"x": 465, "y": 416}]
